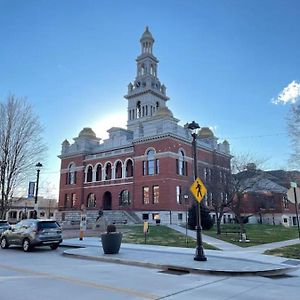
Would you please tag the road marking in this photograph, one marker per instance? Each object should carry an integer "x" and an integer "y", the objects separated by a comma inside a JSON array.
[{"x": 82, "y": 282}]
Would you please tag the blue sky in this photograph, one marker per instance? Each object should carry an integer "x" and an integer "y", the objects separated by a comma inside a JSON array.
[{"x": 222, "y": 62}]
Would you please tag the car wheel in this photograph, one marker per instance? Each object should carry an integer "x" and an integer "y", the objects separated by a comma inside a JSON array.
[
  {"x": 54, "y": 246},
  {"x": 4, "y": 243},
  {"x": 26, "y": 245}
]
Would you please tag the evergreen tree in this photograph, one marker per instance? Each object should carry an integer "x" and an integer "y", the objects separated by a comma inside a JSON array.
[{"x": 206, "y": 220}]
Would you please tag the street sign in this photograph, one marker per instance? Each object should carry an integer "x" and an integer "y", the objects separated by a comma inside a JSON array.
[
  {"x": 198, "y": 189},
  {"x": 31, "y": 190},
  {"x": 293, "y": 184}
]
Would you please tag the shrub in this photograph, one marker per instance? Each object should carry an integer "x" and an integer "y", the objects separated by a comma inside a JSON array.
[
  {"x": 111, "y": 228},
  {"x": 206, "y": 220}
]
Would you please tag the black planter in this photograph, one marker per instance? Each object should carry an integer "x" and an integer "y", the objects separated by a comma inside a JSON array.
[{"x": 111, "y": 242}]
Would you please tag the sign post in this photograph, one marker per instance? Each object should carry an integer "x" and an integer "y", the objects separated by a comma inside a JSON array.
[
  {"x": 146, "y": 230},
  {"x": 82, "y": 222},
  {"x": 294, "y": 186}
]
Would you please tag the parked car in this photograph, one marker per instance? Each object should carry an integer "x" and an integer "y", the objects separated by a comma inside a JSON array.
[
  {"x": 3, "y": 226},
  {"x": 30, "y": 233}
]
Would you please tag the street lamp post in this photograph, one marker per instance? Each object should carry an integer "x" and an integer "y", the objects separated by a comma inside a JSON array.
[
  {"x": 199, "y": 255},
  {"x": 38, "y": 169},
  {"x": 186, "y": 202}
]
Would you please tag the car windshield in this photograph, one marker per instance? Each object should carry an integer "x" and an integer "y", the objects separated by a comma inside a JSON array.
[{"x": 46, "y": 225}]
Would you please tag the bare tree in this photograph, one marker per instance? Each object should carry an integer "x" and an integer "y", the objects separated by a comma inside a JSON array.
[
  {"x": 21, "y": 146},
  {"x": 293, "y": 124},
  {"x": 242, "y": 179},
  {"x": 217, "y": 185}
]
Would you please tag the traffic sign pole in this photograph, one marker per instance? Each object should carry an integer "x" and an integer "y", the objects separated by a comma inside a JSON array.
[
  {"x": 199, "y": 255},
  {"x": 294, "y": 186}
]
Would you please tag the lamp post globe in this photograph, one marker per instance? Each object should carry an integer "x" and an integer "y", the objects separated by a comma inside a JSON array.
[{"x": 199, "y": 253}]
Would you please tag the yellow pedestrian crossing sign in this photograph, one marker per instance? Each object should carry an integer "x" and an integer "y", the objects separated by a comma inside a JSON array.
[{"x": 198, "y": 189}]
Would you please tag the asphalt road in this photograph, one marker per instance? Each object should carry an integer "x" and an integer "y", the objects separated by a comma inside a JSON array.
[{"x": 46, "y": 274}]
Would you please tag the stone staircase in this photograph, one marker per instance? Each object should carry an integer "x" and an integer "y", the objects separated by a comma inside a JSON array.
[{"x": 121, "y": 217}]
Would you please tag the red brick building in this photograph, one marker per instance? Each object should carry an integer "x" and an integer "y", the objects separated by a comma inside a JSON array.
[{"x": 144, "y": 169}]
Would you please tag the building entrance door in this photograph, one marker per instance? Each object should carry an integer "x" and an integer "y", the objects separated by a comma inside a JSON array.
[{"x": 107, "y": 205}]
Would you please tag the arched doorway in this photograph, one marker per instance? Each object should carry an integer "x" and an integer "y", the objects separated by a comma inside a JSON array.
[{"x": 107, "y": 201}]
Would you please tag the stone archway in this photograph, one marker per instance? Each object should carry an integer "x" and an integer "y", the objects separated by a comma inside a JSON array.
[{"x": 107, "y": 201}]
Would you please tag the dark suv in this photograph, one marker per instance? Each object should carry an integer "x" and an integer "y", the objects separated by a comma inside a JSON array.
[
  {"x": 31, "y": 233},
  {"x": 3, "y": 226}
]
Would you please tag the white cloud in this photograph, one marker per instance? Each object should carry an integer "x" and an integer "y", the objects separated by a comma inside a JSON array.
[{"x": 290, "y": 94}]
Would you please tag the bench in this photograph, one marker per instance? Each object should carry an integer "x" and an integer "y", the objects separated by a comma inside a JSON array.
[{"x": 233, "y": 231}]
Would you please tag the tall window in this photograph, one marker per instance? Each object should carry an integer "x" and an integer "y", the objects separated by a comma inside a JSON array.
[
  {"x": 91, "y": 201},
  {"x": 66, "y": 201},
  {"x": 151, "y": 165},
  {"x": 145, "y": 195},
  {"x": 285, "y": 202},
  {"x": 181, "y": 164},
  {"x": 71, "y": 175},
  {"x": 209, "y": 175},
  {"x": 73, "y": 200},
  {"x": 155, "y": 194},
  {"x": 205, "y": 174},
  {"x": 124, "y": 198},
  {"x": 129, "y": 168},
  {"x": 151, "y": 161},
  {"x": 89, "y": 174},
  {"x": 99, "y": 173},
  {"x": 118, "y": 170},
  {"x": 138, "y": 109},
  {"x": 108, "y": 171},
  {"x": 178, "y": 194}
]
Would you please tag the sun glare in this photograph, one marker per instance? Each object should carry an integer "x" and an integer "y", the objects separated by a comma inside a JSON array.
[{"x": 100, "y": 127}]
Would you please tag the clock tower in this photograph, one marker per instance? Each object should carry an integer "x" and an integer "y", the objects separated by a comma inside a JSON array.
[{"x": 146, "y": 94}]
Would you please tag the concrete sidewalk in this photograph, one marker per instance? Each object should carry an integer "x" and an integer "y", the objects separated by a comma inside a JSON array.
[
  {"x": 231, "y": 247},
  {"x": 182, "y": 259}
]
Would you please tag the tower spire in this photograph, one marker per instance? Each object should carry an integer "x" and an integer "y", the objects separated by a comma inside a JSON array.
[{"x": 147, "y": 41}]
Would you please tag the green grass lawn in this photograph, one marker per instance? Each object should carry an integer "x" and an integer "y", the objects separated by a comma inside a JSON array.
[
  {"x": 256, "y": 233},
  {"x": 158, "y": 235},
  {"x": 288, "y": 251}
]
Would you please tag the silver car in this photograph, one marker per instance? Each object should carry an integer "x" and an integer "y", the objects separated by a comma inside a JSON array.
[
  {"x": 30, "y": 233},
  {"x": 4, "y": 225}
]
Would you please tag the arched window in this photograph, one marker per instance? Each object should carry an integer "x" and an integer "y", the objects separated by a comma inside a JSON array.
[
  {"x": 151, "y": 70},
  {"x": 99, "y": 173},
  {"x": 151, "y": 162},
  {"x": 89, "y": 174},
  {"x": 91, "y": 201},
  {"x": 71, "y": 175},
  {"x": 129, "y": 168},
  {"x": 151, "y": 165},
  {"x": 108, "y": 171},
  {"x": 181, "y": 164},
  {"x": 124, "y": 198},
  {"x": 118, "y": 169},
  {"x": 143, "y": 69}
]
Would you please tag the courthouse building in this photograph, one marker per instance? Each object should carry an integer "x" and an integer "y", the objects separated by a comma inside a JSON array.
[{"x": 146, "y": 168}]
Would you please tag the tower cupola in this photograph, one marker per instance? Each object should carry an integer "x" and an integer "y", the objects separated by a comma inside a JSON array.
[{"x": 147, "y": 41}]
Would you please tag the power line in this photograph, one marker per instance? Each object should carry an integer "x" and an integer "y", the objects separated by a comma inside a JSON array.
[{"x": 252, "y": 136}]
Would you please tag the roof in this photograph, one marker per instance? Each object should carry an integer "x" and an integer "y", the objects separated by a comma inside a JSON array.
[
  {"x": 205, "y": 132},
  {"x": 163, "y": 112},
  {"x": 87, "y": 132},
  {"x": 147, "y": 35}
]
